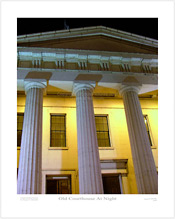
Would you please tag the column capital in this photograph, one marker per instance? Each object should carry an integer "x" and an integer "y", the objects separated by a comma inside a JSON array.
[
  {"x": 83, "y": 86},
  {"x": 34, "y": 84},
  {"x": 126, "y": 88}
]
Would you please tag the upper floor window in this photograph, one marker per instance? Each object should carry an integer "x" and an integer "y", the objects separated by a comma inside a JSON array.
[
  {"x": 148, "y": 128},
  {"x": 102, "y": 131},
  {"x": 20, "y": 118},
  {"x": 58, "y": 131}
]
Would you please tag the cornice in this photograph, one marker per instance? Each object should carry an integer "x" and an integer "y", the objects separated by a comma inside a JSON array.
[
  {"x": 83, "y": 52},
  {"x": 126, "y": 60},
  {"x": 88, "y": 31}
]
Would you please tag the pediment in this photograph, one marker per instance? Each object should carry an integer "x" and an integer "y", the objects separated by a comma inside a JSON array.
[
  {"x": 97, "y": 43},
  {"x": 99, "y": 39}
]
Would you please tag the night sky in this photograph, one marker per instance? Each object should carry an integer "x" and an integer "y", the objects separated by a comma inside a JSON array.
[{"x": 147, "y": 27}]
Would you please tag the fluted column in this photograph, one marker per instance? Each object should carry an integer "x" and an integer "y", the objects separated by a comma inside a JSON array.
[
  {"x": 90, "y": 178},
  {"x": 29, "y": 174},
  {"x": 144, "y": 165}
]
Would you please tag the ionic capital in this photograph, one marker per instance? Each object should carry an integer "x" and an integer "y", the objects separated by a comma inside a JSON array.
[
  {"x": 34, "y": 84},
  {"x": 127, "y": 88},
  {"x": 83, "y": 86}
]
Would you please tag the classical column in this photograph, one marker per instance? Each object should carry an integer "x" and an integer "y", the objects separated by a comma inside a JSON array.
[
  {"x": 144, "y": 166},
  {"x": 90, "y": 178},
  {"x": 29, "y": 174}
]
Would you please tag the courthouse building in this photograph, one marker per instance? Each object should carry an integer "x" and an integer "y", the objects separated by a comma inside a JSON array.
[{"x": 87, "y": 112}]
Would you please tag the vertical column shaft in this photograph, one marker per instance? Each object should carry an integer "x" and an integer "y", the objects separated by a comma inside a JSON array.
[
  {"x": 29, "y": 174},
  {"x": 144, "y": 165},
  {"x": 90, "y": 178}
]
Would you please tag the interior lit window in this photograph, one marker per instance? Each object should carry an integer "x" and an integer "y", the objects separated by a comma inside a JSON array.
[
  {"x": 20, "y": 118},
  {"x": 102, "y": 131},
  {"x": 58, "y": 131},
  {"x": 148, "y": 128}
]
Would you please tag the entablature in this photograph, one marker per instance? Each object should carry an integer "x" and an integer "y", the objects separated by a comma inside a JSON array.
[
  {"x": 44, "y": 58},
  {"x": 62, "y": 67}
]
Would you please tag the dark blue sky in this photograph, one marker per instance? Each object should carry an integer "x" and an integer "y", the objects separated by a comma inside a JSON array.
[{"x": 147, "y": 27}]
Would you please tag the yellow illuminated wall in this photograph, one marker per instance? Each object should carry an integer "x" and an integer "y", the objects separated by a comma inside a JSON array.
[{"x": 65, "y": 160}]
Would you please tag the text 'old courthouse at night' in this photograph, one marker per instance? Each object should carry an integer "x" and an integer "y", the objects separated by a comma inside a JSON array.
[{"x": 87, "y": 112}]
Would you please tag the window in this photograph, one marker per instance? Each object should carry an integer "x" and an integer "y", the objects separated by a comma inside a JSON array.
[
  {"x": 58, "y": 131},
  {"x": 20, "y": 117},
  {"x": 148, "y": 128},
  {"x": 102, "y": 131}
]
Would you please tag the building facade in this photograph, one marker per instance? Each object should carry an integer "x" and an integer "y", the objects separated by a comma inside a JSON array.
[{"x": 87, "y": 104}]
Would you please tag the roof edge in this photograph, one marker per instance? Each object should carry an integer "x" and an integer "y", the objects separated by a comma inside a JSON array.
[{"x": 88, "y": 31}]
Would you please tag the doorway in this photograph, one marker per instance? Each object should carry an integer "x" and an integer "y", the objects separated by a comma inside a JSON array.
[
  {"x": 58, "y": 184},
  {"x": 111, "y": 184}
]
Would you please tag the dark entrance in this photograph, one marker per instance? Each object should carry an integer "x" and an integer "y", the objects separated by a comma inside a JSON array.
[
  {"x": 58, "y": 184},
  {"x": 111, "y": 184}
]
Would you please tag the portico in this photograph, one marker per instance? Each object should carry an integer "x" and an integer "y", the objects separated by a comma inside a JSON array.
[{"x": 80, "y": 77}]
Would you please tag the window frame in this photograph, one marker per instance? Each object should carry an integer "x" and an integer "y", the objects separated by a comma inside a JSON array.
[
  {"x": 150, "y": 135},
  {"x": 58, "y": 148},
  {"x": 109, "y": 132},
  {"x": 19, "y": 113}
]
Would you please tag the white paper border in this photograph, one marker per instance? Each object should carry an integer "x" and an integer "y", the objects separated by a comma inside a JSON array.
[{"x": 13, "y": 205}]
